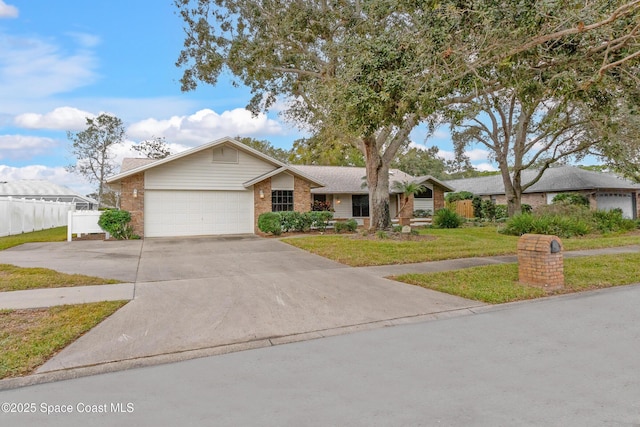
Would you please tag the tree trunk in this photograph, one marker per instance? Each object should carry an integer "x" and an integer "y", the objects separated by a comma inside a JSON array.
[
  {"x": 513, "y": 193},
  {"x": 378, "y": 183}
]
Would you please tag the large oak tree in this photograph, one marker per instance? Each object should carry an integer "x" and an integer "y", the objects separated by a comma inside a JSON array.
[{"x": 372, "y": 70}]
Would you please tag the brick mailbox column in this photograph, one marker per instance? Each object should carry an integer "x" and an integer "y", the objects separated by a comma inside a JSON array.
[{"x": 540, "y": 261}]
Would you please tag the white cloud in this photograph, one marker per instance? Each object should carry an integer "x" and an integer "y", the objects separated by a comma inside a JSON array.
[
  {"x": 477, "y": 154},
  {"x": 204, "y": 126},
  {"x": 485, "y": 167},
  {"x": 57, "y": 175},
  {"x": 447, "y": 155},
  {"x": 8, "y": 11},
  {"x": 34, "y": 68},
  {"x": 61, "y": 118},
  {"x": 23, "y": 146},
  {"x": 85, "y": 39}
]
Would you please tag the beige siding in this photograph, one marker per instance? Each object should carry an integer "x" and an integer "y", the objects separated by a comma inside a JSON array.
[
  {"x": 282, "y": 181},
  {"x": 199, "y": 172},
  {"x": 342, "y": 209}
]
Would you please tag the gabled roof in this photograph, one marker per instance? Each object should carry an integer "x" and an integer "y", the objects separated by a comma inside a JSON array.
[
  {"x": 132, "y": 166},
  {"x": 429, "y": 178},
  {"x": 350, "y": 180},
  {"x": 557, "y": 179}
]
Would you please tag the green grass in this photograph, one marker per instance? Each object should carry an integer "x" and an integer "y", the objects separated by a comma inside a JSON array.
[
  {"x": 28, "y": 338},
  {"x": 496, "y": 284},
  {"x": 58, "y": 234},
  {"x": 14, "y": 278},
  {"x": 446, "y": 244}
]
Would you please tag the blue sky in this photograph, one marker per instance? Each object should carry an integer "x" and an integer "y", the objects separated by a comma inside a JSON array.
[{"x": 63, "y": 61}]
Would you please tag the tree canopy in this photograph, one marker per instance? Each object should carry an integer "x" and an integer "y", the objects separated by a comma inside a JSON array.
[
  {"x": 93, "y": 149},
  {"x": 372, "y": 70}
]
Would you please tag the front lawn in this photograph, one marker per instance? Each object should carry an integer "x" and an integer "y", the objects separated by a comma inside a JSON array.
[
  {"x": 58, "y": 234},
  {"x": 14, "y": 278},
  {"x": 495, "y": 284},
  {"x": 28, "y": 338},
  {"x": 447, "y": 244}
]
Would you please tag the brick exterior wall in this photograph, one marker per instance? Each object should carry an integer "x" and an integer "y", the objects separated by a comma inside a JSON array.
[
  {"x": 537, "y": 266},
  {"x": 263, "y": 205},
  {"x": 407, "y": 207},
  {"x": 301, "y": 198},
  {"x": 301, "y": 195},
  {"x": 135, "y": 205},
  {"x": 438, "y": 198}
]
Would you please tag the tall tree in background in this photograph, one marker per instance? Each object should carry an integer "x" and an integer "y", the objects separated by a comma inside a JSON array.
[
  {"x": 93, "y": 149},
  {"x": 418, "y": 162},
  {"x": 154, "y": 148},
  {"x": 325, "y": 151},
  {"x": 266, "y": 147},
  {"x": 372, "y": 70}
]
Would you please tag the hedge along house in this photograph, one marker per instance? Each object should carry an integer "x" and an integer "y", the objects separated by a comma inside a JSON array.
[
  {"x": 346, "y": 192},
  {"x": 217, "y": 188},
  {"x": 604, "y": 191}
]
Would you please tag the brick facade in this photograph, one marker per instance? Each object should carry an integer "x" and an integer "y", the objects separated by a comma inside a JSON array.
[
  {"x": 301, "y": 195},
  {"x": 538, "y": 265},
  {"x": 301, "y": 198},
  {"x": 261, "y": 205},
  {"x": 407, "y": 207},
  {"x": 134, "y": 202},
  {"x": 438, "y": 198}
]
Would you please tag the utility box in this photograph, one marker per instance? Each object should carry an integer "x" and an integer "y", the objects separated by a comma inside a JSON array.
[{"x": 540, "y": 261}]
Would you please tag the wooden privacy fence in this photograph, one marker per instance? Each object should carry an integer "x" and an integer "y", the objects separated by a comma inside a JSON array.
[
  {"x": 462, "y": 207},
  {"x": 26, "y": 215}
]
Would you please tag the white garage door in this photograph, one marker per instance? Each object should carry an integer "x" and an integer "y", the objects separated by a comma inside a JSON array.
[
  {"x": 608, "y": 201},
  {"x": 195, "y": 213}
]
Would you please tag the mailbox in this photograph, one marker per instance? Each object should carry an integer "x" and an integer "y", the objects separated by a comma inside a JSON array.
[{"x": 540, "y": 261}]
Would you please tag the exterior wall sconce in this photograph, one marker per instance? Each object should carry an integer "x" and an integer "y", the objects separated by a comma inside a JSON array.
[
  {"x": 135, "y": 193},
  {"x": 261, "y": 193},
  {"x": 338, "y": 201}
]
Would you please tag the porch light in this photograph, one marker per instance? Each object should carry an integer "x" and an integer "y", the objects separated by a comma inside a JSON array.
[
  {"x": 338, "y": 200},
  {"x": 261, "y": 193},
  {"x": 135, "y": 193}
]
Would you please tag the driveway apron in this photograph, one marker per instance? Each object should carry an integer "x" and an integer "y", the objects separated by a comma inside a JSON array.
[{"x": 199, "y": 293}]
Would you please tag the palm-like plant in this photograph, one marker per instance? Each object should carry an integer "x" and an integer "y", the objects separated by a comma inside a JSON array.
[{"x": 408, "y": 189}]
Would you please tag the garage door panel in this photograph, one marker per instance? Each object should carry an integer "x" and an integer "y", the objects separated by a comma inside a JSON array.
[
  {"x": 193, "y": 213},
  {"x": 624, "y": 201}
]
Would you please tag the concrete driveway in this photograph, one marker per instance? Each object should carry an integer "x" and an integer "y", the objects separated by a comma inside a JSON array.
[{"x": 193, "y": 294}]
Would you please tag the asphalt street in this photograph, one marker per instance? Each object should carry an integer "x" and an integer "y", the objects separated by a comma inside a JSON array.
[{"x": 562, "y": 361}]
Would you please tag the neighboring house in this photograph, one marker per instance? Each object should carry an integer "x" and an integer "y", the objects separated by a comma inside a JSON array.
[
  {"x": 605, "y": 191},
  {"x": 40, "y": 189},
  {"x": 218, "y": 188},
  {"x": 222, "y": 188},
  {"x": 346, "y": 191}
]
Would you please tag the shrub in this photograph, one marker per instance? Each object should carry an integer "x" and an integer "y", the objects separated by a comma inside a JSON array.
[
  {"x": 381, "y": 234},
  {"x": 488, "y": 210},
  {"x": 518, "y": 225},
  {"x": 397, "y": 229},
  {"x": 525, "y": 208},
  {"x": 422, "y": 213},
  {"x": 461, "y": 195},
  {"x": 340, "y": 226},
  {"x": 446, "y": 218},
  {"x": 476, "y": 202},
  {"x": 572, "y": 199},
  {"x": 270, "y": 222},
  {"x": 501, "y": 212},
  {"x": 295, "y": 221},
  {"x": 320, "y": 219},
  {"x": 116, "y": 223},
  {"x": 612, "y": 221}
]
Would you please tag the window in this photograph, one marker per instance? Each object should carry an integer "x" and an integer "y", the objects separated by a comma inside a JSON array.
[
  {"x": 281, "y": 200},
  {"x": 426, "y": 194},
  {"x": 360, "y": 203}
]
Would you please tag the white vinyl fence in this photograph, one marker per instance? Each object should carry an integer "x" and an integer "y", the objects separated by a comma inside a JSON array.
[
  {"x": 83, "y": 222},
  {"x": 25, "y": 215}
]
